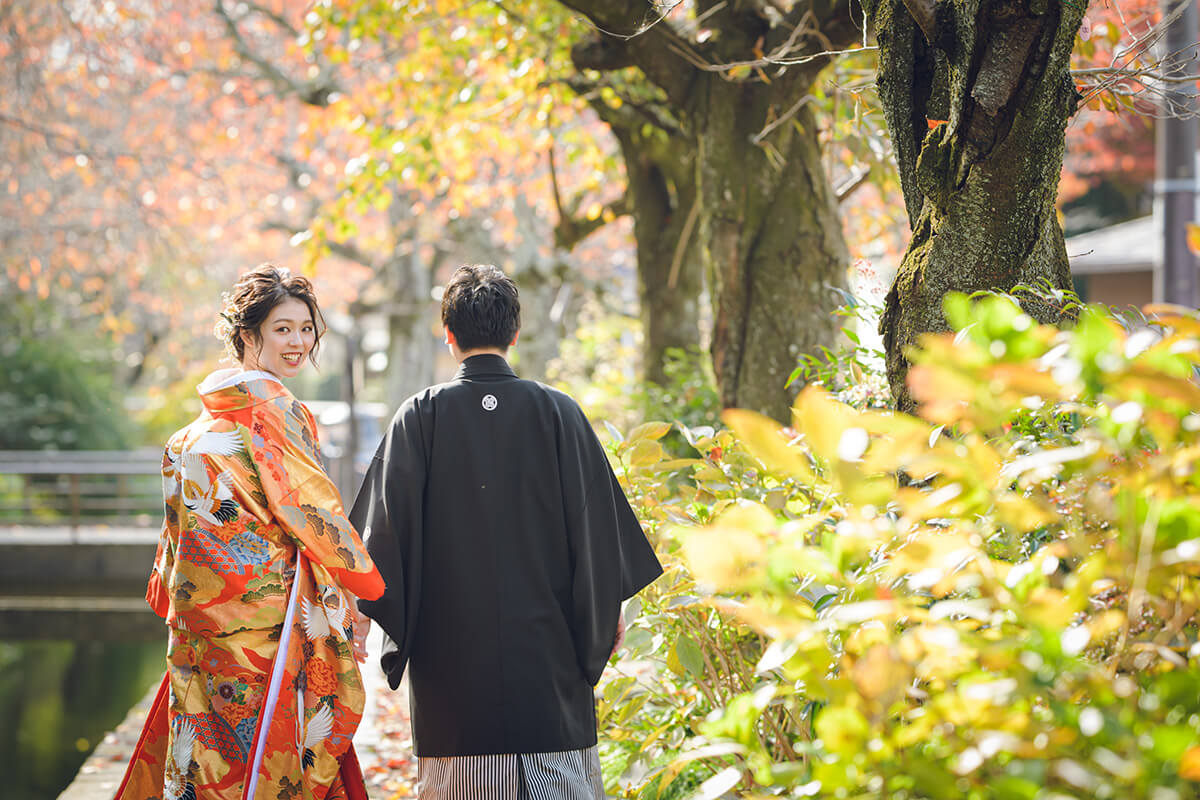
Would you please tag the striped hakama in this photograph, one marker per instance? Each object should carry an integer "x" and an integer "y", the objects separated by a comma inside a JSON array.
[{"x": 569, "y": 775}]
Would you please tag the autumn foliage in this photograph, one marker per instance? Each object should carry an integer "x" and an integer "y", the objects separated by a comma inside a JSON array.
[{"x": 997, "y": 600}]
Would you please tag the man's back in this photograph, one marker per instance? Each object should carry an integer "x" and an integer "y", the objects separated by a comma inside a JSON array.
[
  {"x": 526, "y": 547},
  {"x": 494, "y": 628}
]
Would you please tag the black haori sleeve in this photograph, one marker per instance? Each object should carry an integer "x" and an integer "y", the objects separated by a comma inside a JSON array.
[
  {"x": 388, "y": 515},
  {"x": 610, "y": 557}
]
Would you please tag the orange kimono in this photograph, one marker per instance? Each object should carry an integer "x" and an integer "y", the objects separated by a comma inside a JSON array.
[{"x": 257, "y": 573}]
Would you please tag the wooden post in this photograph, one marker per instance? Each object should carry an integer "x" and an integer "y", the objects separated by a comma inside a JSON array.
[
  {"x": 75, "y": 505},
  {"x": 123, "y": 514},
  {"x": 1176, "y": 157}
]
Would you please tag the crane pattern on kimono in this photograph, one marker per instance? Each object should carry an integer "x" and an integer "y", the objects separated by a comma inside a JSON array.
[
  {"x": 209, "y": 499},
  {"x": 185, "y": 473},
  {"x": 329, "y": 616},
  {"x": 311, "y": 732},
  {"x": 181, "y": 767}
]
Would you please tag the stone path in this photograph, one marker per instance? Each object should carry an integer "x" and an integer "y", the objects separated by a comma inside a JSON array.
[{"x": 383, "y": 742}]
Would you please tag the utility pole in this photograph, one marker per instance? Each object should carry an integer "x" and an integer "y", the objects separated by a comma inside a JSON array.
[
  {"x": 350, "y": 392},
  {"x": 1176, "y": 156}
]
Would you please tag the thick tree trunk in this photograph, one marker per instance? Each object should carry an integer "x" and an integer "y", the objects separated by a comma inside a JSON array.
[
  {"x": 411, "y": 342},
  {"x": 978, "y": 118},
  {"x": 669, "y": 277},
  {"x": 767, "y": 233},
  {"x": 773, "y": 245}
]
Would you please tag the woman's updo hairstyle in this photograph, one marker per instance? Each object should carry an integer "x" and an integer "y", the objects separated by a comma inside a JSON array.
[{"x": 247, "y": 306}]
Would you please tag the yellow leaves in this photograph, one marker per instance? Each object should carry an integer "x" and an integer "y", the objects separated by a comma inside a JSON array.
[
  {"x": 649, "y": 430},
  {"x": 765, "y": 440},
  {"x": 941, "y": 394},
  {"x": 1189, "y": 764},
  {"x": 880, "y": 676},
  {"x": 611, "y": 98},
  {"x": 729, "y": 558},
  {"x": 843, "y": 730},
  {"x": 824, "y": 421},
  {"x": 933, "y": 559},
  {"x": 685, "y": 658},
  {"x": 1193, "y": 237},
  {"x": 642, "y": 450},
  {"x": 1022, "y": 514},
  {"x": 645, "y": 453},
  {"x": 936, "y": 652},
  {"x": 1049, "y": 608}
]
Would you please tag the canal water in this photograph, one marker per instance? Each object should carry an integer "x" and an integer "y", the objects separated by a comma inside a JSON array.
[{"x": 57, "y": 699}]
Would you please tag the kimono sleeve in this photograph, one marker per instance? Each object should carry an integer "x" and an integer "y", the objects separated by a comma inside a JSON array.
[
  {"x": 389, "y": 510},
  {"x": 307, "y": 505},
  {"x": 611, "y": 559},
  {"x": 164, "y": 555}
]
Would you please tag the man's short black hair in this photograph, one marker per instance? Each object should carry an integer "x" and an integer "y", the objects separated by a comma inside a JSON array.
[{"x": 481, "y": 308}]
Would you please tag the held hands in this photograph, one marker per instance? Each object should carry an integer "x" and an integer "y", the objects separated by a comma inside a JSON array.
[
  {"x": 620, "y": 637},
  {"x": 362, "y": 626}
]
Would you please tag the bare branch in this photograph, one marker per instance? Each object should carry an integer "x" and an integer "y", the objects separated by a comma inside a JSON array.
[
  {"x": 681, "y": 246},
  {"x": 570, "y": 230},
  {"x": 656, "y": 49},
  {"x": 770, "y": 60},
  {"x": 603, "y": 23},
  {"x": 847, "y": 187},
  {"x": 274, "y": 16},
  {"x": 791, "y": 112},
  {"x": 558, "y": 203},
  {"x": 315, "y": 93},
  {"x": 346, "y": 250},
  {"x": 1122, "y": 73}
]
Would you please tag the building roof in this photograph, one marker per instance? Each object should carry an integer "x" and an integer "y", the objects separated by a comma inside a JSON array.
[{"x": 1133, "y": 246}]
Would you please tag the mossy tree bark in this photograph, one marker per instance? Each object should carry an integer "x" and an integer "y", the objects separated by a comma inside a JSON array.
[
  {"x": 977, "y": 94},
  {"x": 660, "y": 195},
  {"x": 663, "y": 194},
  {"x": 762, "y": 225}
]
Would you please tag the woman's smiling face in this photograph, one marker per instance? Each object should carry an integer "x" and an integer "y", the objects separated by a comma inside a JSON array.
[{"x": 285, "y": 340}]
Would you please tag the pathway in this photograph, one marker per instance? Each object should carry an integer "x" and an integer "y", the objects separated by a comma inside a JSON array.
[{"x": 383, "y": 742}]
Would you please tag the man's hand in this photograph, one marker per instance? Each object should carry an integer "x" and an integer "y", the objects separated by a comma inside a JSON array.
[
  {"x": 620, "y": 638},
  {"x": 362, "y": 626}
]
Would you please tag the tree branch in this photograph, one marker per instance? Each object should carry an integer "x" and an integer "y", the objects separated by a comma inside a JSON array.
[
  {"x": 275, "y": 17},
  {"x": 631, "y": 35},
  {"x": 847, "y": 187},
  {"x": 346, "y": 250},
  {"x": 315, "y": 92},
  {"x": 570, "y": 230}
]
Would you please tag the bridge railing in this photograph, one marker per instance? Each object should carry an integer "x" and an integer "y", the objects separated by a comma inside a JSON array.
[{"x": 81, "y": 487}]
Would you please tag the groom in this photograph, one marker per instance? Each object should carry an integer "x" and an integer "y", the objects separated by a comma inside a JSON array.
[{"x": 507, "y": 547}]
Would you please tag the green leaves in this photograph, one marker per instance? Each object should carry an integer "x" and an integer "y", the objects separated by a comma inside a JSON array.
[{"x": 685, "y": 658}]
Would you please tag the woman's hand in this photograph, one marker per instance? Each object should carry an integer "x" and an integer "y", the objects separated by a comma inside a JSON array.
[
  {"x": 620, "y": 637},
  {"x": 362, "y": 626}
]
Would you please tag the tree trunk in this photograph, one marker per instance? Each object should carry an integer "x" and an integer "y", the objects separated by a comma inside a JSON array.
[
  {"x": 767, "y": 235},
  {"x": 540, "y": 335},
  {"x": 978, "y": 119},
  {"x": 411, "y": 342},
  {"x": 663, "y": 199},
  {"x": 773, "y": 244}
]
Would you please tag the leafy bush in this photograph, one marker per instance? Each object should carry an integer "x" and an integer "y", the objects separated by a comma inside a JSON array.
[
  {"x": 56, "y": 386},
  {"x": 996, "y": 601}
]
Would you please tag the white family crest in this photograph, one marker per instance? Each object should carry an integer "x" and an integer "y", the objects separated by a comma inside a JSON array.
[{"x": 490, "y": 402}]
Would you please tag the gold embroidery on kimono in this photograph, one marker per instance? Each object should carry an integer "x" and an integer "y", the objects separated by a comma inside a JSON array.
[{"x": 256, "y": 574}]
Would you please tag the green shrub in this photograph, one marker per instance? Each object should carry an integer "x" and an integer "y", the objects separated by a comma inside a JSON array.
[
  {"x": 998, "y": 600},
  {"x": 57, "y": 387}
]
